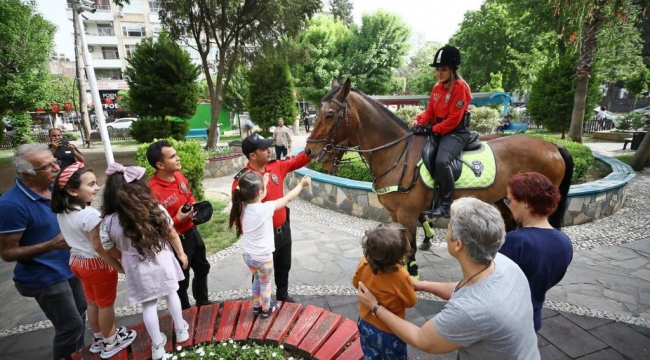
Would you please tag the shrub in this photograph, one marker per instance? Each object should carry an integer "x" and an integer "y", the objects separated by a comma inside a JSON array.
[
  {"x": 355, "y": 169},
  {"x": 70, "y": 136},
  {"x": 637, "y": 120},
  {"x": 485, "y": 120},
  {"x": 146, "y": 129},
  {"x": 582, "y": 156},
  {"x": 625, "y": 124},
  {"x": 408, "y": 113},
  {"x": 193, "y": 159},
  {"x": 22, "y": 124}
]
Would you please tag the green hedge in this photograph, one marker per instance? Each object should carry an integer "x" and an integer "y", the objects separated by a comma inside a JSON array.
[
  {"x": 193, "y": 159},
  {"x": 582, "y": 157},
  {"x": 145, "y": 130}
]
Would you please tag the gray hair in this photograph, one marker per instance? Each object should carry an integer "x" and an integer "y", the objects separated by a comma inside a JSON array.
[
  {"x": 480, "y": 226},
  {"x": 21, "y": 163}
]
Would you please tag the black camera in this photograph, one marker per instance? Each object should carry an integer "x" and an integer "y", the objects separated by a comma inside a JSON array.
[{"x": 65, "y": 142}]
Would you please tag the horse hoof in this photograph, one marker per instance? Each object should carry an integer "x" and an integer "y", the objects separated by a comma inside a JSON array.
[{"x": 425, "y": 245}]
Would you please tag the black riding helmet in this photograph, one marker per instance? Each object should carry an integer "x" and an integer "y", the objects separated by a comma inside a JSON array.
[{"x": 447, "y": 56}]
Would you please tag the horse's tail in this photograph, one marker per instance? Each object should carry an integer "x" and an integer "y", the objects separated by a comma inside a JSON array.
[{"x": 556, "y": 219}]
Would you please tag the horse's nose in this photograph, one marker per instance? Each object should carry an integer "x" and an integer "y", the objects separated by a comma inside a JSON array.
[{"x": 308, "y": 151}]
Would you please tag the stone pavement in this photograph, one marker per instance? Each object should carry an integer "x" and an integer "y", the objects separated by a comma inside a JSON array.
[{"x": 601, "y": 309}]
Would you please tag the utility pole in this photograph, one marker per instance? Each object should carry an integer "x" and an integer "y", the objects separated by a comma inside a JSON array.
[
  {"x": 81, "y": 6},
  {"x": 81, "y": 85}
]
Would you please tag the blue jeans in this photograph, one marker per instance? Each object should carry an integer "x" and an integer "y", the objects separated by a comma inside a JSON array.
[
  {"x": 377, "y": 344},
  {"x": 64, "y": 304}
]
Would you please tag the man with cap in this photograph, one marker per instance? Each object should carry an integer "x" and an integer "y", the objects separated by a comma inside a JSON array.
[
  {"x": 258, "y": 152},
  {"x": 445, "y": 114},
  {"x": 172, "y": 190}
]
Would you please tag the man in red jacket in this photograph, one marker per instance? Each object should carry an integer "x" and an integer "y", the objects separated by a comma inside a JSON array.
[
  {"x": 258, "y": 151},
  {"x": 171, "y": 189}
]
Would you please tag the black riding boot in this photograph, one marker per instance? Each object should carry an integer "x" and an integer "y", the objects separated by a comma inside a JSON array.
[{"x": 446, "y": 181}]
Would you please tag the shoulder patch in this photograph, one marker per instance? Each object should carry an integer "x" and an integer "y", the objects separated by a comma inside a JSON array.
[
  {"x": 459, "y": 104},
  {"x": 240, "y": 173}
]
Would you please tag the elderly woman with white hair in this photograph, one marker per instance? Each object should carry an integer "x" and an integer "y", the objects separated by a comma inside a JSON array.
[{"x": 489, "y": 312}]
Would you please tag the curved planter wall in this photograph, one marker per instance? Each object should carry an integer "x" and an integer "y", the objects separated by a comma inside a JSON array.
[
  {"x": 587, "y": 202},
  {"x": 224, "y": 165}
]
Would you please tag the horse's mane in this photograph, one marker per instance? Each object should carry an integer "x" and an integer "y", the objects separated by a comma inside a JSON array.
[{"x": 377, "y": 106}]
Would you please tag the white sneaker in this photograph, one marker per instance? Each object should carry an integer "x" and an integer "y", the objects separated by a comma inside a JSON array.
[
  {"x": 158, "y": 351},
  {"x": 97, "y": 346},
  {"x": 123, "y": 338},
  {"x": 182, "y": 334}
]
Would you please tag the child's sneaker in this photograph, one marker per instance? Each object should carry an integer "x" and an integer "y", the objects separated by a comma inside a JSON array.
[
  {"x": 97, "y": 346},
  {"x": 182, "y": 334},
  {"x": 123, "y": 338},
  {"x": 257, "y": 310},
  {"x": 272, "y": 308},
  {"x": 158, "y": 351}
]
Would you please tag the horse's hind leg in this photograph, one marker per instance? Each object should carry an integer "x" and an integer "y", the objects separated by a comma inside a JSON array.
[{"x": 428, "y": 233}]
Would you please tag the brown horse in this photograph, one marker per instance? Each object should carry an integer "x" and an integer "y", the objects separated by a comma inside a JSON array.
[{"x": 349, "y": 117}]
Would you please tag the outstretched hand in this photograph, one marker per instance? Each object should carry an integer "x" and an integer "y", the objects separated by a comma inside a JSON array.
[
  {"x": 365, "y": 297},
  {"x": 305, "y": 181}
]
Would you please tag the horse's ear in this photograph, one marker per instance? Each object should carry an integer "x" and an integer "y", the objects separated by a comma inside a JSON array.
[
  {"x": 335, "y": 83},
  {"x": 346, "y": 88}
]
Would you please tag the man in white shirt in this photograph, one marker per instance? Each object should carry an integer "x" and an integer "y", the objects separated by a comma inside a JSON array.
[{"x": 282, "y": 140}]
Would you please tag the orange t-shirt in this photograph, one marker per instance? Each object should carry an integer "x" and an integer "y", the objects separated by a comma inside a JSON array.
[{"x": 393, "y": 290}]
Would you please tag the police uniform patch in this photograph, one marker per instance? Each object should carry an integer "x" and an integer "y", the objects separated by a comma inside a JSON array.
[
  {"x": 275, "y": 179},
  {"x": 459, "y": 104},
  {"x": 184, "y": 187},
  {"x": 478, "y": 167}
]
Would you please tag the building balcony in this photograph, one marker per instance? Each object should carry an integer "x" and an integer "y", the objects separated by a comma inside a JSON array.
[
  {"x": 99, "y": 15},
  {"x": 101, "y": 63},
  {"x": 97, "y": 39},
  {"x": 153, "y": 18}
]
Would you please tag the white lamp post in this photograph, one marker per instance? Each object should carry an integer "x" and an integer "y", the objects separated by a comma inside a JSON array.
[{"x": 81, "y": 6}]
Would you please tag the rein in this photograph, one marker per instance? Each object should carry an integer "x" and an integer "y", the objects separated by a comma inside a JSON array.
[{"x": 331, "y": 146}]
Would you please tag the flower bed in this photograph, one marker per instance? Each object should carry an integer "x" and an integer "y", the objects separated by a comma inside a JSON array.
[{"x": 224, "y": 165}]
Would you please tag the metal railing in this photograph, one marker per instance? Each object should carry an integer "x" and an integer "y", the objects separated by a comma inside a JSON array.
[{"x": 591, "y": 126}]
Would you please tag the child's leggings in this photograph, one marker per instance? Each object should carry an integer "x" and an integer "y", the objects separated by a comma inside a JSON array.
[
  {"x": 150, "y": 316},
  {"x": 262, "y": 287}
]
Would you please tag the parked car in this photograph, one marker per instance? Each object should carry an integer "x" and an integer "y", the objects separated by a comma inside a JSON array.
[
  {"x": 644, "y": 111},
  {"x": 123, "y": 123}
]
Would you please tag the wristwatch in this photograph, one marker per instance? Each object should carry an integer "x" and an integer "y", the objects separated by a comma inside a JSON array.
[{"x": 375, "y": 308}]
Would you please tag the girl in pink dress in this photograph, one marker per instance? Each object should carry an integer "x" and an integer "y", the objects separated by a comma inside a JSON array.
[{"x": 139, "y": 231}]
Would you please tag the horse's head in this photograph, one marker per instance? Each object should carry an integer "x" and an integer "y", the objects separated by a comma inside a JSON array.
[
  {"x": 332, "y": 164},
  {"x": 334, "y": 125}
]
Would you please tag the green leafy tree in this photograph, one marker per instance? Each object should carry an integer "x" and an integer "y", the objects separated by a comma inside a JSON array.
[
  {"x": 552, "y": 96},
  {"x": 162, "y": 79},
  {"x": 59, "y": 89},
  {"x": 26, "y": 40},
  {"x": 322, "y": 58},
  {"x": 374, "y": 49},
  {"x": 342, "y": 10},
  {"x": 231, "y": 32},
  {"x": 271, "y": 94},
  {"x": 419, "y": 75}
]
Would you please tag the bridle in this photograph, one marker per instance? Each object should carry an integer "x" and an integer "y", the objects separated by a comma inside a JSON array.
[{"x": 330, "y": 145}]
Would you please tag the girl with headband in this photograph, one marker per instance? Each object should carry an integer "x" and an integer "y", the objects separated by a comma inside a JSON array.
[
  {"x": 142, "y": 232},
  {"x": 74, "y": 189}
]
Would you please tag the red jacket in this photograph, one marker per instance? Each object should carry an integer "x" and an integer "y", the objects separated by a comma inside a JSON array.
[
  {"x": 450, "y": 111},
  {"x": 173, "y": 195},
  {"x": 278, "y": 170}
]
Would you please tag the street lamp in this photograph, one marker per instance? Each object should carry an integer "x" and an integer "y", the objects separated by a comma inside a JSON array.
[{"x": 81, "y": 6}]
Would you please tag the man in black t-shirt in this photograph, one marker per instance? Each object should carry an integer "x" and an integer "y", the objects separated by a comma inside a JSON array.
[{"x": 63, "y": 151}]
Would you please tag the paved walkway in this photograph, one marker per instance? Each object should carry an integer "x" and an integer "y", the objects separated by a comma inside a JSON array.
[{"x": 601, "y": 309}]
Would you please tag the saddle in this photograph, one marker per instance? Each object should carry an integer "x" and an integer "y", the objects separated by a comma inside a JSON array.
[{"x": 431, "y": 147}]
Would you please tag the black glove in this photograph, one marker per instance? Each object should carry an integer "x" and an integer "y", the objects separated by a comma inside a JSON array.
[{"x": 422, "y": 130}]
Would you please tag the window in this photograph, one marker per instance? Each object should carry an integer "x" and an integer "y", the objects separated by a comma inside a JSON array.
[
  {"x": 154, "y": 6},
  {"x": 105, "y": 30},
  {"x": 103, "y": 5},
  {"x": 108, "y": 74},
  {"x": 129, "y": 49},
  {"x": 157, "y": 29},
  {"x": 133, "y": 29},
  {"x": 135, "y": 6},
  {"x": 110, "y": 53}
]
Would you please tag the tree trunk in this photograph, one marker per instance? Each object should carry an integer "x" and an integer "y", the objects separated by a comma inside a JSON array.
[
  {"x": 642, "y": 154},
  {"x": 81, "y": 84},
  {"x": 583, "y": 70}
]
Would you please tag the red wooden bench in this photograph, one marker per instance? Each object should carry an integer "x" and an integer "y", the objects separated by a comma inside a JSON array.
[{"x": 313, "y": 333}]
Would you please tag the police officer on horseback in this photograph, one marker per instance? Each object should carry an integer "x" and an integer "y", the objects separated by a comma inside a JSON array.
[{"x": 446, "y": 118}]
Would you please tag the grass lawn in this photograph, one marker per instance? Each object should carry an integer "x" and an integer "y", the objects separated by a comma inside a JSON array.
[
  {"x": 118, "y": 143},
  {"x": 215, "y": 233},
  {"x": 6, "y": 155},
  {"x": 627, "y": 158}
]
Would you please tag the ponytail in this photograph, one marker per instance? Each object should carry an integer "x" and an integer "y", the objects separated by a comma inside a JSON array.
[
  {"x": 236, "y": 210},
  {"x": 247, "y": 189}
]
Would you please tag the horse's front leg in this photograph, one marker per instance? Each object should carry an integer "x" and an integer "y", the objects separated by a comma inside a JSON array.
[
  {"x": 428, "y": 233},
  {"x": 409, "y": 221}
]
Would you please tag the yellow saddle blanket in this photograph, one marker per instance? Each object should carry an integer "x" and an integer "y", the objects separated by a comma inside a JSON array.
[{"x": 478, "y": 169}]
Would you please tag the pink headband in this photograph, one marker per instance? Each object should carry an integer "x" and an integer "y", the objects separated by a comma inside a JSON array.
[
  {"x": 67, "y": 173},
  {"x": 131, "y": 173}
]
